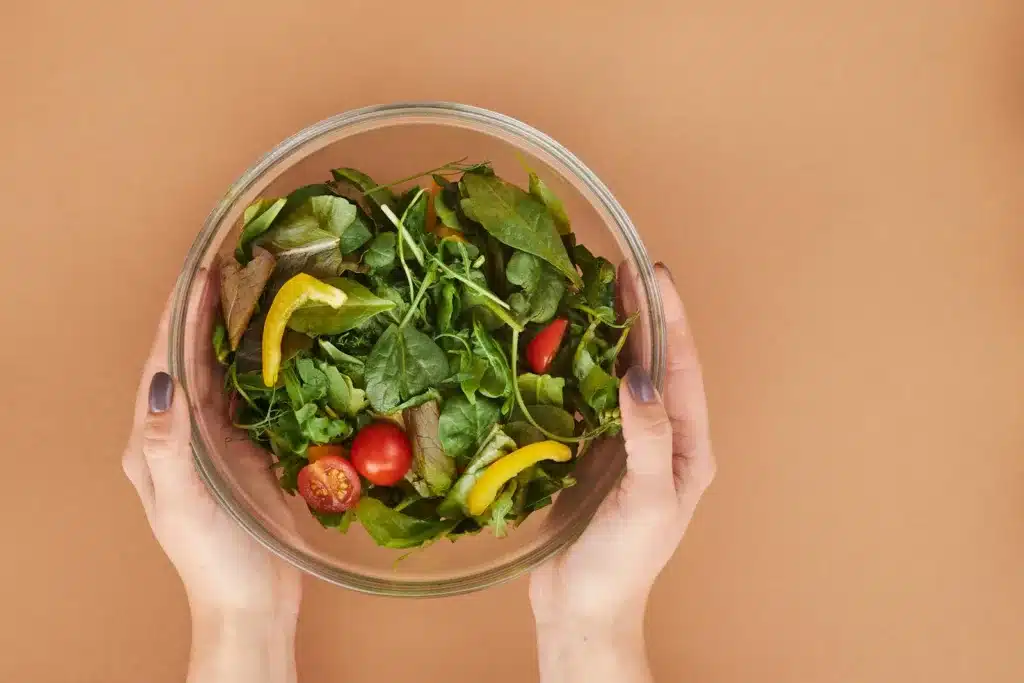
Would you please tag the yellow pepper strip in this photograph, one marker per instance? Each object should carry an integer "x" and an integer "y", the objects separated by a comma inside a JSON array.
[
  {"x": 498, "y": 473},
  {"x": 295, "y": 293}
]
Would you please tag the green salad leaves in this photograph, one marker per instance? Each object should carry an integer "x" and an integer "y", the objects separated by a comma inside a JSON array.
[{"x": 471, "y": 318}]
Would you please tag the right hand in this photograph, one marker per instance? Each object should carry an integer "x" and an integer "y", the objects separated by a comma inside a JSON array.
[{"x": 607, "y": 574}]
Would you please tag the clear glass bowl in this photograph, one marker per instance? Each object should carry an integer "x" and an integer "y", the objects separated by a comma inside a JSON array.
[{"x": 395, "y": 141}]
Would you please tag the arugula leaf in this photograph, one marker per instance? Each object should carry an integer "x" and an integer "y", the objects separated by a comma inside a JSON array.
[
  {"x": 350, "y": 365},
  {"x": 540, "y": 190},
  {"x": 472, "y": 370},
  {"x": 542, "y": 389},
  {"x": 324, "y": 429},
  {"x": 429, "y": 460},
  {"x": 289, "y": 468},
  {"x": 464, "y": 424},
  {"x": 497, "y": 379},
  {"x": 221, "y": 350},
  {"x": 240, "y": 290},
  {"x": 598, "y": 291},
  {"x": 447, "y": 303},
  {"x": 516, "y": 219},
  {"x": 599, "y": 389},
  {"x": 360, "y": 306},
  {"x": 382, "y": 196},
  {"x": 542, "y": 286},
  {"x": 496, "y": 445},
  {"x": 397, "y": 530},
  {"x": 446, "y": 204},
  {"x": 342, "y": 395},
  {"x": 258, "y": 218},
  {"x": 380, "y": 255},
  {"x": 404, "y": 362},
  {"x": 414, "y": 211},
  {"x": 502, "y": 508}
]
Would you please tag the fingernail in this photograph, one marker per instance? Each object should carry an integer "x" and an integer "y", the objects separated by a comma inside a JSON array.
[
  {"x": 663, "y": 268},
  {"x": 639, "y": 384},
  {"x": 161, "y": 391}
]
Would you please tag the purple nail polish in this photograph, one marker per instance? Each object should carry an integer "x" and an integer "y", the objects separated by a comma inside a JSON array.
[
  {"x": 639, "y": 384},
  {"x": 161, "y": 392}
]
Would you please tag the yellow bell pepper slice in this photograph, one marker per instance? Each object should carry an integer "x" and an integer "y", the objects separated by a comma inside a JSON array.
[
  {"x": 498, "y": 473},
  {"x": 295, "y": 293}
]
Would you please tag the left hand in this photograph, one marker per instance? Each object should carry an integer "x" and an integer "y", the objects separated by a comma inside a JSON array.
[{"x": 224, "y": 570}]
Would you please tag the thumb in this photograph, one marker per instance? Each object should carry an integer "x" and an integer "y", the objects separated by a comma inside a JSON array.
[
  {"x": 645, "y": 426},
  {"x": 165, "y": 438}
]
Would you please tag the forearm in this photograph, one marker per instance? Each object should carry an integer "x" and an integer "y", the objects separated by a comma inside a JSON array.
[
  {"x": 229, "y": 647},
  {"x": 597, "y": 653}
]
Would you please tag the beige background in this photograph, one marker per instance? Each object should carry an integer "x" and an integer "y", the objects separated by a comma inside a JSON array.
[{"x": 836, "y": 185}]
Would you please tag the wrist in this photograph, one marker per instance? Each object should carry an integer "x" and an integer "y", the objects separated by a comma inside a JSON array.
[
  {"x": 571, "y": 649},
  {"x": 241, "y": 645}
]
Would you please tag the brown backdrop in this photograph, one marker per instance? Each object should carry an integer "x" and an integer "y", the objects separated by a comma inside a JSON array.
[{"x": 836, "y": 186}]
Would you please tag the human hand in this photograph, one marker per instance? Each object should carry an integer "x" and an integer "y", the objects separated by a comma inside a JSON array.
[
  {"x": 602, "y": 581},
  {"x": 242, "y": 597}
]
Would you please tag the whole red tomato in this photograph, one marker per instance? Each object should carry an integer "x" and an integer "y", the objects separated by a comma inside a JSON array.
[
  {"x": 542, "y": 349},
  {"x": 330, "y": 484},
  {"x": 381, "y": 452}
]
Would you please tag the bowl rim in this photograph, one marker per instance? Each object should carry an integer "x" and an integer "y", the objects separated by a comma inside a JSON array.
[{"x": 445, "y": 113}]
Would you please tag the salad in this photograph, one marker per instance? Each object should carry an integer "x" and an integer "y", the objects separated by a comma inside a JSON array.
[{"x": 429, "y": 363}]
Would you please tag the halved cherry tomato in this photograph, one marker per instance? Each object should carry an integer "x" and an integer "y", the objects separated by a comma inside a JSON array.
[
  {"x": 542, "y": 349},
  {"x": 315, "y": 452},
  {"x": 381, "y": 452},
  {"x": 330, "y": 484}
]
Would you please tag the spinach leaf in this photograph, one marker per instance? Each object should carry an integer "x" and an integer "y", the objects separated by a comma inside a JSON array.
[
  {"x": 404, "y": 362},
  {"x": 429, "y": 460},
  {"x": 497, "y": 445},
  {"x": 471, "y": 369},
  {"x": 539, "y": 389},
  {"x": 542, "y": 286},
  {"x": 540, "y": 190},
  {"x": 342, "y": 396},
  {"x": 240, "y": 290},
  {"x": 334, "y": 520},
  {"x": 524, "y": 433},
  {"x": 497, "y": 379},
  {"x": 258, "y": 218},
  {"x": 380, "y": 255},
  {"x": 304, "y": 382},
  {"x": 360, "y": 306},
  {"x": 552, "y": 418},
  {"x": 516, "y": 219},
  {"x": 418, "y": 400},
  {"x": 464, "y": 424},
  {"x": 397, "y": 530}
]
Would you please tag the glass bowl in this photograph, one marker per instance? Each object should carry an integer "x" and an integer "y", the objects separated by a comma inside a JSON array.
[{"x": 388, "y": 142}]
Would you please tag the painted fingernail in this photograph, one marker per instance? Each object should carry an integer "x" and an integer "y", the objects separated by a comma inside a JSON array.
[
  {"x": 639, "y": 384},
  {"x": 161, "y": 391},
  {"x": 663, "y": 268}
]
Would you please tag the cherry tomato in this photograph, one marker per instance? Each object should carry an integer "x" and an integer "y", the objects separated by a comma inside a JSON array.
[
  {"x": 330, "y": 484},
  {"x": 381, "y": 452},
  {"x": 315, "y": 452},
  {"x": 542, "y": 349}
]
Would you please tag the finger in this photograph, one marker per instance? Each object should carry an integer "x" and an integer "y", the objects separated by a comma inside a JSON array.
[
  {"x": 165, "y": 439},
  {"x": 645, "y": 427},
  {"x": 684, "y": 395}
]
